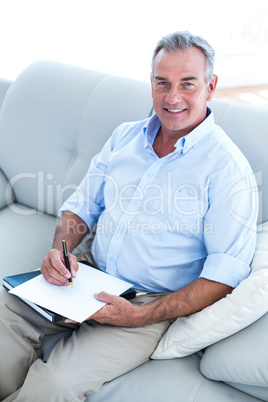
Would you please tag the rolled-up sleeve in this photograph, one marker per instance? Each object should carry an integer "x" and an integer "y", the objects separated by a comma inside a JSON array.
[
  {"x": 231, "y": 238},
  {"x": 81, "y": 204}
]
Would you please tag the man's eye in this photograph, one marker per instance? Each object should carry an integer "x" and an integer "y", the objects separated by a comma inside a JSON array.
[
  {"x": 188, "y": 84},
  {"x": 162, "y": 83}
]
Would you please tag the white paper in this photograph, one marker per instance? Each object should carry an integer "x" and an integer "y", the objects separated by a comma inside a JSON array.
[{"x": 77, "y": 303}]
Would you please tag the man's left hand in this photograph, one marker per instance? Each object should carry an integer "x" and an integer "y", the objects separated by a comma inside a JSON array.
[{"x": 118, "y": 311}]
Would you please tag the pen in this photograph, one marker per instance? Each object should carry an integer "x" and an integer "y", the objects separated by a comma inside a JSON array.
[{"x": 67, "y": 263}]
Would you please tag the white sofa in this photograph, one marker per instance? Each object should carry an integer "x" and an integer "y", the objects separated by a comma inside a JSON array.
[{"x": 53, "y": 119}]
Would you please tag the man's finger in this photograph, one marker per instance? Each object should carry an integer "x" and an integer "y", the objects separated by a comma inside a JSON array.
[{"x": 103, "y": 296}]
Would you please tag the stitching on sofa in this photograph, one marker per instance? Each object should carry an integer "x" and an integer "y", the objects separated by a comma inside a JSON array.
[
  {"x": 13, "y": 195},
  {"x": 198, "y": 391}
]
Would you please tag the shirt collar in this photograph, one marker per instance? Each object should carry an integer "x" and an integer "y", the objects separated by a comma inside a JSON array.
[
  {"x": 150, "y": 130},
  {"x": 185, "y": 143}
]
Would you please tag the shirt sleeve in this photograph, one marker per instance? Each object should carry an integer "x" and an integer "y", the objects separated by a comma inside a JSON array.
[
  {"x": 230, "y": 230},
  {"x": 87, "y": 201}
]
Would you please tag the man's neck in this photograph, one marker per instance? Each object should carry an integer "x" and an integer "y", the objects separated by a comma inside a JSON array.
[{"x": 163, "y": 145}]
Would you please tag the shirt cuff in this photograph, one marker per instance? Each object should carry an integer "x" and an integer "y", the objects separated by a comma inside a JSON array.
[{"x": 225, "y": 269}]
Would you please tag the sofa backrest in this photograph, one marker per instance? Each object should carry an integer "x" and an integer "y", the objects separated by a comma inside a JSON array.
[
  {"x": 54, "y": 119},
  {"x": 247, "y": 126}
]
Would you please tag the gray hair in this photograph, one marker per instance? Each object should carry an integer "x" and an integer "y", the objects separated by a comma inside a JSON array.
[{"x": 183, "y": 40}]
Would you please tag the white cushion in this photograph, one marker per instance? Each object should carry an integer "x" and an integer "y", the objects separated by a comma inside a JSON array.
[{"x": 247, "y": 303}]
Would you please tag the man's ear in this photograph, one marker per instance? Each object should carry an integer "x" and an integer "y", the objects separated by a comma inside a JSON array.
[{"x": 212, "y": 87}]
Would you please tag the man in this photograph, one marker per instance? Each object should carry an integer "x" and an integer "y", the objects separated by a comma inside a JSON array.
[{"x": 166, "y": 197}]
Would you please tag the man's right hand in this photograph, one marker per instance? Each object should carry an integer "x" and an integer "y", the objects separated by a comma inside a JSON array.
[{"x": 54, "y": 270}]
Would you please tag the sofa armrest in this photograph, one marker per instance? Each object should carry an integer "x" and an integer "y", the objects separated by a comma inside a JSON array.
[
  {"x": 4, "y": 85},
  {"x": 6, "y": 192}
]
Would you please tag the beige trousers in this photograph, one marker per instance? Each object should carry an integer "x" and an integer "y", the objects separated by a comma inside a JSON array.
[{"x": 78, "y": 365}]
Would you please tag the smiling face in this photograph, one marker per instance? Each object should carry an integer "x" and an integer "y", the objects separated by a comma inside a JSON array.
[{"x": 179, "y": 90}]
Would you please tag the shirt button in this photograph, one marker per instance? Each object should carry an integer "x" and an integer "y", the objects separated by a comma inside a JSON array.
[
  {"x": 149, "y": 174},
  {"x": 112, "y": 259}
]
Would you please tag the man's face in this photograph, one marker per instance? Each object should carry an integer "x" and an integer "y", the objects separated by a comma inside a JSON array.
[{"x": 179, "y": 90}]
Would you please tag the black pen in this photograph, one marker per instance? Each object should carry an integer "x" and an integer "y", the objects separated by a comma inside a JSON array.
[{"x": 67, "y": 263}]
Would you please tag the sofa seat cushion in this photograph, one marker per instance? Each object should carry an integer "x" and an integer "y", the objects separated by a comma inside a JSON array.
[
  {"x": 241, "y": 360},
  {"x": 247, "y": 303},
  {"x": 168, "y": 380}
]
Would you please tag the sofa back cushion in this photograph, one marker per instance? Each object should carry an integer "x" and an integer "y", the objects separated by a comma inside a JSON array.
[
  {"x": 247, "y": 127},
  {"x": 54, "y": 119}
]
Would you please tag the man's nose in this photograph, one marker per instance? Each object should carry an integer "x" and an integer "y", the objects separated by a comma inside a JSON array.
[{"x": 173, "y": 96}]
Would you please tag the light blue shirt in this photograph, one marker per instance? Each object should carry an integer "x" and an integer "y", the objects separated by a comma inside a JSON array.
[{"x": 164, "y": 222}]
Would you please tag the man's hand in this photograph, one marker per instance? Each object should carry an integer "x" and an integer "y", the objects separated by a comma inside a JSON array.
[
  {"x": 118, "y": 311},
  {"x": 72, "y": 229},
  {"x": 54, "y": 270}
]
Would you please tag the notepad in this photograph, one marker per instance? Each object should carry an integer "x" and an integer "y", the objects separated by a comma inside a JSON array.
[
  {"x": 10, "y": 282},
  {"x": 78, "y": 303}
]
